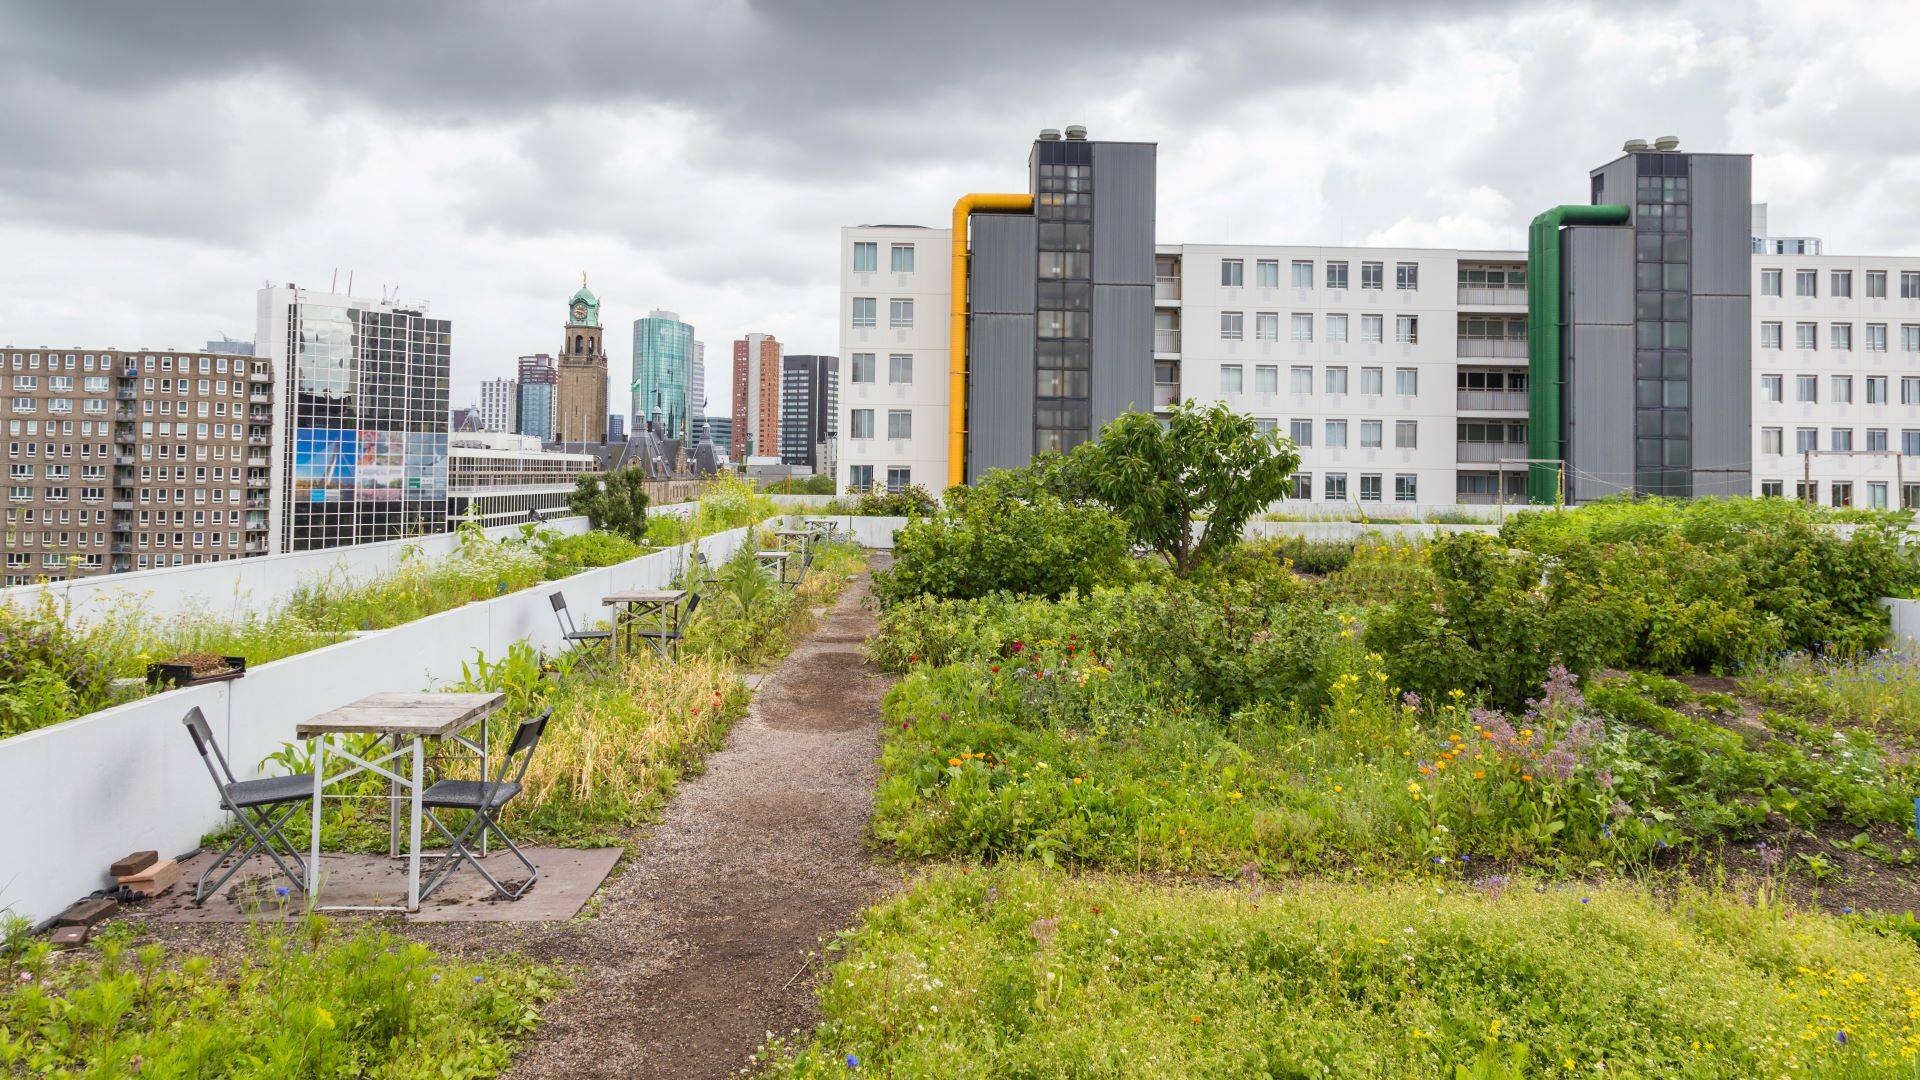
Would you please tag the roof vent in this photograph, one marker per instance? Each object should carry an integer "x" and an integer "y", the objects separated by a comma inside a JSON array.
[
  {"x": 1077, "y": 132},
  {"x": 1667, "y": 142},
  {"x": 1049, "y": 134},
  {"x": 1634, "y": 145}
]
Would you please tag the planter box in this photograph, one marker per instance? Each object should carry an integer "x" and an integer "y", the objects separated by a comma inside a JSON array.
[{"x": 179, "y": 675}]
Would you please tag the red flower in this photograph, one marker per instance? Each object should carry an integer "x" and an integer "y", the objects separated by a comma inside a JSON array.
[
  {"x": 1019, "y": 646},
  {"x": 996, "y": 669}
]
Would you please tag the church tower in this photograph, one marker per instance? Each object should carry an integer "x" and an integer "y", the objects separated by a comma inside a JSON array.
[{"x": 581, "y": 405}]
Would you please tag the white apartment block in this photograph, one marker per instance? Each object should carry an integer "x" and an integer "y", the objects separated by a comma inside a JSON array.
[
  {"x": 1836, "y": 366},
  {"x": 497, "y": 400},
  {"x": 893, "y": 356}
]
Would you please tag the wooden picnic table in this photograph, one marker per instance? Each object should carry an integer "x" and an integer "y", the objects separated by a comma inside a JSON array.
[{"x": 636, "y": 604}]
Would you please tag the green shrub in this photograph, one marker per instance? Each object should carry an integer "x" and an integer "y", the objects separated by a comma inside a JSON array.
[
  {"x": 986, "y": 542},
  {"x": 1308, "y": 556},
  {"x": 568, "y": 555},
  {"x": 615, "y": 501}
]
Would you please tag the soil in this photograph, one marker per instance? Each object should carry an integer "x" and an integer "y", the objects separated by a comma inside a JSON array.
[{"x": 203, "y": 663}]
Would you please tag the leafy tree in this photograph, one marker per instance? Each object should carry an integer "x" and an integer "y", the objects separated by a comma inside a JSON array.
[
  {"x": 615, "y": 501},
  {"x": 1207, "y": 464}
]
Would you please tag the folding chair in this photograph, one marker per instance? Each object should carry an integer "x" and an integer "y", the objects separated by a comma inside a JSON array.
[
  {"x": 253, "y": 802},
  {"x": 578, "y": 639},
  {"x": 669, "y": 638},
  {"x": 484, "y": 798}
]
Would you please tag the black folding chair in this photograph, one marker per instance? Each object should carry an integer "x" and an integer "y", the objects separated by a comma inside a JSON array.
[
  {"x": 484, "y": 798},
  {"x": 254, "y": 803},
  {"x": 594, "y": 646},
  {"x": 667, "y": 639}
]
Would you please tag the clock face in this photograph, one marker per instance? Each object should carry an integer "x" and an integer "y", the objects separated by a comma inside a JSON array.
[{"x": 580, "y": 310}]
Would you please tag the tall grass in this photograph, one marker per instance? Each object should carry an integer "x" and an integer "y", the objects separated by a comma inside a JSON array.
[{"x": 1880, "y": 690}]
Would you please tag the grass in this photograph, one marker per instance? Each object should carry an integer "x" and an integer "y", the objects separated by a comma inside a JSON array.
[
  {"x": 310, "y": 1001},
  {"x": 1022, "y": 971},
  {"x": 1879, "y": 691}
]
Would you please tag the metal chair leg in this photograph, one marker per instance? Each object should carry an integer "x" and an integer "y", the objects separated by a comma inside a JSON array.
[{"x": 261, "y": 843}]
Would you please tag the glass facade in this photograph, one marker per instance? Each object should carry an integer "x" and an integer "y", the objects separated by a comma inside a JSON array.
[
  {"x": 1063, "y": 345},
  {"x": 1663, "y": 303},
  {"x": 663, "y": 385}
]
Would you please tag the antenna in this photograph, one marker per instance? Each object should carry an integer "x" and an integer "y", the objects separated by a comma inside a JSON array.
[
  {"x": 349, "y": 283},
  {"x": 334, "y": 286}
]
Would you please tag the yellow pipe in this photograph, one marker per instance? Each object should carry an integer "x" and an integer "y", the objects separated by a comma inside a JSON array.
[{"x": 957, "y": 327}]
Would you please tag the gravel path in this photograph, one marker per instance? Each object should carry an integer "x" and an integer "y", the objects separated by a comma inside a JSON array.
[{"x": 701, "y": 946}]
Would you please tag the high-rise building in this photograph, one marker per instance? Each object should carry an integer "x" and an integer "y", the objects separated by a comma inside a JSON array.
[
  {"x": 535, "y": 397},
  {"x": 697, "y": 394},
  {"x": 616, "y": 428},
  {"x": 809, "y": 407},
  {"x": 580, "y": 406},
  {"x": 359, "y": 437},
  {"x": 230, "y": 347},
  {"x": 133, "y": 460},
  {"x": 663, "y": 355},
  {"x": 498, "y": 399},
  {"x": 720, "y": 432},
  {"x": 756, "y": 397}
]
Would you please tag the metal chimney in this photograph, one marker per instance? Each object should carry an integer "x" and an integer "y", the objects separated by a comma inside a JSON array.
[
  {"x": 1076, "y": 133},
  {"x": 1049, "y": 134},
  {"x": 1667, "y": 142}
]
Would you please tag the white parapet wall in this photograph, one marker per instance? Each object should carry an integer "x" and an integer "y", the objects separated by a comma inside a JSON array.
[
  {"x": 1905, "y": 617},
  {"x": 78, "y": 795}
]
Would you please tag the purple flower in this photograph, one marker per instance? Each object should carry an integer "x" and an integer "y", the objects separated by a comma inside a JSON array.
[
  {"x": 1769, "y": 855},
  {"x": 1410, "y": 699},
  {"x": 1584, "y": 899},
  {"x": 280, "y": 890},
  {"x": 1840, "y": 1037},
  {"x": 477, "y": 979},
  {"x": 853, "y": 1061}
]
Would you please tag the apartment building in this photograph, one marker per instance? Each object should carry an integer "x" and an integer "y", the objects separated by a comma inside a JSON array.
[
  {"x": 756, "y": 397},
  {"x": 809, "y": 407},
  {"x": 499, "y": 399},
  {"x": 893, "y": 357},
  {"x": 536, "y": 397},
  {"x": 133, "y": 460}
]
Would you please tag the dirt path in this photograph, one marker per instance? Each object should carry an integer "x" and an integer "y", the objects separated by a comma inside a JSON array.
[{"x": 699, "y": 946}]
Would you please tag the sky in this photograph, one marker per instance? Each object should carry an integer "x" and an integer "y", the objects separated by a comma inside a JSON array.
[{"x": 160, "y": 162}]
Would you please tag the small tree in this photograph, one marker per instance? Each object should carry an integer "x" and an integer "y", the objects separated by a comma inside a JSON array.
[
  {"x": 1206, "y": 462},
  {"x": 615, "y": 501}
]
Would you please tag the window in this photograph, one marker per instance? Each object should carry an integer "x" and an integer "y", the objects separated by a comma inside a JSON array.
[
  {"x": 1372, "y": 275},
  {"x": 1264, "y": 426},
  {"x": 1301, "y": 432},
  {"x": 1336, "y": 275},
  {"x": 1876, "y": 389},
  {"x": 1303, "y": 273},
  {"x": 899, "y": 477},
  {"x": 903, "y": 258},
  {"x": 900, "y": 314},
  {"x": 1910, "y": 442},
  {"x": 1372, "y": 328},
  {"x": 1337, "y": 328},
  {"x": 1373, "y": 380},
  {"x": 866, "y": 257},
  {"x": 899, "y": 423},
  {"x": 1842, "y": 390},
  {"x": 1806, "y": 335},
  {"x": 1232, "y": 325},
  {"x": 1769, "y": 335},
  {"x": 1773, "y": 440},
  {"x": 1840, "y": 336},
  {"x": 1841, "y": 440},
  {"x": 1877, "y": 494},
  {"x": 1406, "y": 434},
  {"x": 1806, "y": 388},
  {"x": 1910, "y": 284},
  {"x": 1335, "y": 488},
  {"x": 900, "y": 368},
  {"x": 1233, "y": 272},
  {"x": 1876, "y": 284},
  {"x": 1336, "y": 380},
  {"x": 865, "y": 309},
  {"x": 1266, "y": 379},
  {"x": 1369, "y": 487},
  {"x": 1302, "y": 326},
  {"x": 1336, "y": 434},
  {"x": 1301, "y": 379},
  {"x": 1267, "y": 273},
  {"x": 1876, "y": 337},
  {"x": 1406, "y": 328},
  {"x": 1231, "y": 378},
  {"x": 1876, "y": 440},
  {"x": 863, "y": 367},
  {"x": 1769, "y": 283},
  {"x": 1909, "y": 390},
  {"x": 1840, "y": 283},
  {"x": 1266, "y": 326},
  {"x": 1771, "y": 489},
  {"x": 1406, "y": 381},
  {"x": 1406, "y": 487},
  {"x": 1302, "y": 486},
  {"x": 862, "y": 424},
  {"x": 1806, "y": 283},
  {"x": 1909, "y": 338},
  {"x": 1770, "y": 387},
  {"x": 1370, "y": 433},
  {"x": 1842, "y": 494},
  {"x": 1406, "y": 276}
]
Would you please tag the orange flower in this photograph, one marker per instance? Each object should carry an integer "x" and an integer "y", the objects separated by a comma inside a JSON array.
[{"x": 1526, "y": 778}]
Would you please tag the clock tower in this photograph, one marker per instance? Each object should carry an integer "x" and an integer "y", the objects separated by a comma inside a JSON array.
[{"x": 581, "y": 405}]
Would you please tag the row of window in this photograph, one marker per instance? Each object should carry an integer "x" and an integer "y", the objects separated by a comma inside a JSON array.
[
  {"x": 1266, "y": 327},
  {"x": 1333, "y": 487},
  {"x": 866, "y": 257},
  {"x": 899, "y": 424},
  {"x": 1233, "y": 274},
  {"x": 1406, "y": 433},
  {"x": 1806, "y": 388},
  {"x": 1266, "y": 379},
  {"x": 1806, "y": 335},
  {"x": 1839, "y": 283},
  {"x": 1840, "y": 440},
  {"x": 208, "y": 365},
  {"x": 865, "y": 368},
  {"x": 860, "y": 477},
  {"x": 866, "y": 312},
  {"x": 1840, "y": 492}
]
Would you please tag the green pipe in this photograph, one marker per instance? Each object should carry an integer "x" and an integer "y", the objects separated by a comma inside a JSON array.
[{"x": 1546, "y": 379}]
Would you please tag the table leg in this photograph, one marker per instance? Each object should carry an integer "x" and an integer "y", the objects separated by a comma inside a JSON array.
[
  {"x": 485, "y": 759},
  {"x": 313, "y": 837},
  {"x": 413, "y": 851},
  {"x": 664, "y": 608},
  {"x": 393, "y": 804}
]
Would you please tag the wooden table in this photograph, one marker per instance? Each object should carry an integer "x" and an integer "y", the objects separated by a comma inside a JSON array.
[
  {"x": 407, "y": 720},
  {"x": 638, "y": 604}
]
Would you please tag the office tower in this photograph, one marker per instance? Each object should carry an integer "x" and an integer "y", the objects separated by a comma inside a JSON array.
[
  {"x": 697, "y": 395},
  {"x": 616, "y": 428},
  {"x": 133, "y": 460},
  {"x": 360, "y": 429},
  {"x": 809, "y": 403},
  {"x": 663, "y": 353},
  {"x": 756, "y": 397},
  {"x": 535, "y": 397},
  {"x": 580, "y": 400},
  {"x": 498, "y": 398},
  {"x": 720, "y": 433}
]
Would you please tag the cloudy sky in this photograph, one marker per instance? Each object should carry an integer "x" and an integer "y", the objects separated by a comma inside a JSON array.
[{"x": 160, "y": 161}]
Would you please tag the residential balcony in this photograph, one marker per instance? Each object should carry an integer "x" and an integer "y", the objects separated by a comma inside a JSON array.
[
  {"x": 124, "y": 459},
  {"x": 1166, "y": 290},
  {"x": 125, "y": 393},
  {"x": 256, "y": 502},
  {"x": 255, "y": 547},
  {"x": 263, "y": 396},
  {"x": 1166, "y": 341},
  {"x": 123, "y": 504},
  {"x": 1483, "y": 453},
  {"x": 258, "y": 461},
  {"x": 1485, "y": 297},
  {"x": 1514, "y": 348},
  {"x": 123, "y": 526},
  {"x": 259, "y": 440},
  {"x": 1491, "y": 400},
  {"x": 1166, "y": 395},
  {"x": 260, "y": 376}
]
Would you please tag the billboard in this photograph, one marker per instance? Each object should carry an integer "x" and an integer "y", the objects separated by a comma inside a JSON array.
[{"x": 324, "y": 460}]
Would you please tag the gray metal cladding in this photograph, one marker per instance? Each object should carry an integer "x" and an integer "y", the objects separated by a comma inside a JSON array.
[
  {"x": 1599, "y": 277},
  {"x": 1617, "y": 180},
  {"x": 1600, "y": 410},
  {"x": 1122, "y": 351},
  {"x": 1123, "y": 209},
  {"x": 1004, "y": 260},
  {"x": 1722, "y": 189},
  {"x": 1722, "y": 389},
  {"x": 999, "y": 392}
]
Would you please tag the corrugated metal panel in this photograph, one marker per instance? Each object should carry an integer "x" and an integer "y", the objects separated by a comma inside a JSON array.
[
  {"x": 1722, "y": 392},
  {"x": 1600, "y": 411},
  {"x": 1123, "y": 205},
  {"x": 1617, "y": 181},
  {"x": 1722, "y": 187},
  {"x": 999, "y": 393},
  {"x": 1599, "y": 277},
  {"x": 1004, "y": 263},
  {"x": 1122, "y": 351}
]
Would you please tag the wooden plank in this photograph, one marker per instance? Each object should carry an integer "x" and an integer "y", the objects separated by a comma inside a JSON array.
[
  {"x": 155, "y": 879},
  {"x": 424, "y": 715},
  {"x": 133, "y": 863},
  {"x": 645, "y": 596},
  {"x": 86, "y": 912},
  {"x": 70, "y": 937}
]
